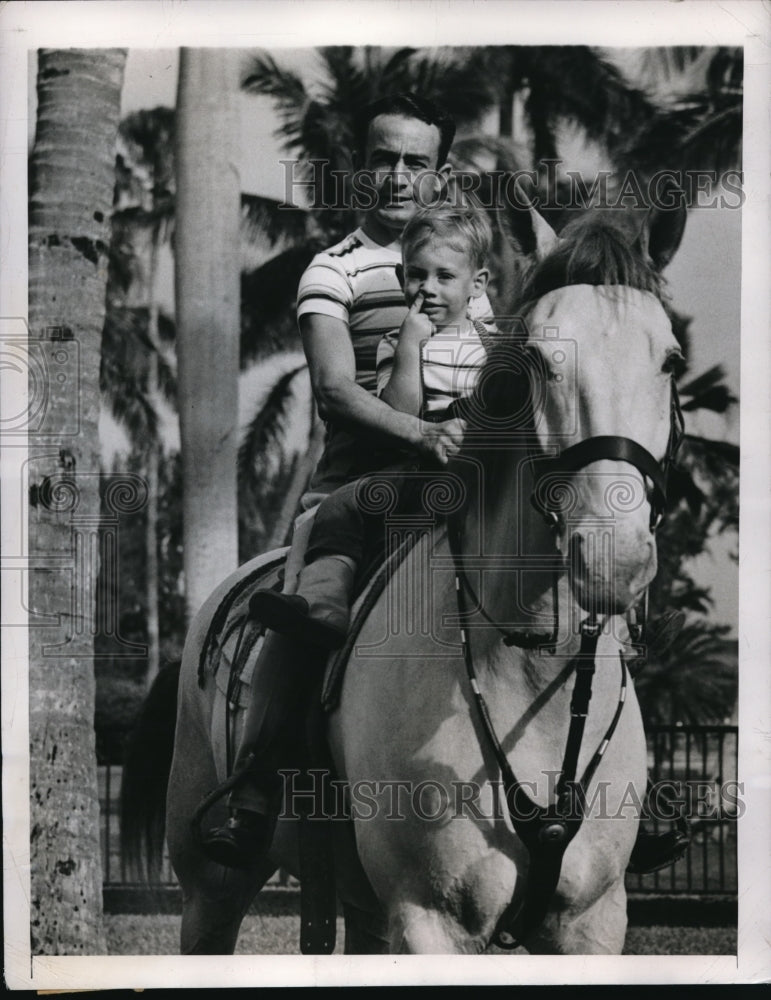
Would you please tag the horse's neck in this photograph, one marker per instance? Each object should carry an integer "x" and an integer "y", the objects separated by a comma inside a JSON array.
[{"x": 522, "y": 585}]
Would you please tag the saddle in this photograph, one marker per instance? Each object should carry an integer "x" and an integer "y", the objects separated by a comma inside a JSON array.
[{"x": 230, "y": 653}]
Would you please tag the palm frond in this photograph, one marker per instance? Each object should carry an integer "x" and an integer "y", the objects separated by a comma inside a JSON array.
[
  {"x": 718, "y": 399},
  {"x": 274, "y": 219},
  {"x": 124, "y": 264},
  {"x": 394, "y": 69},
  {"x": 693, "y": 679},
  {"x": 167, "y": 380},
  {"x": 681, "y": 487},
  {"x": 123, "y": 373},
  {"x": 457, "y": 79},
  {"x": 265, "y": 428},
  {"x": 128, "y": 186},
  {"x": 167, "y": 330},
  {"x": 697, "y": 133},
  {"x": 150, "y": 133},
  {"x": 577, "y": 84},
  {"x": 466, "y": 151},
  {"x": 346, "y": 78},
  {"x": 130, "y": 406},
  {"x": 265, "y": 76},
  {"x": 666, "y": 62},
  {"x": 268, "y": 296},
  {"x": 135, "y": 218},
  {"x": 707, "y": 391},
  {"x": 700, "y": 129},
  {"x": 724, "y": 451}
]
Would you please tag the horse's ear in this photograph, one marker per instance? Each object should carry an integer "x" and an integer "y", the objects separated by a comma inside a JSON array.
[
  {"x": 664, "y": 227},
  {"x": 529, "y": 228}
]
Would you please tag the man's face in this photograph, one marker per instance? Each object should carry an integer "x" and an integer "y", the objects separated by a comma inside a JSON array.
[{"x": 398, "y": 150}]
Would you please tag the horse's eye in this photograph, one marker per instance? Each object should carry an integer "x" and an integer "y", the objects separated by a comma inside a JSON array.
[{"x": 674, "y": 364}]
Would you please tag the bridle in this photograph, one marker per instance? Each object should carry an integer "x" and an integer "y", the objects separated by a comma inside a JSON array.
[
  {"x": 619, "y": 449},
  {"x": 567, "y": 462},
  {"x": 546, "y": 832}
]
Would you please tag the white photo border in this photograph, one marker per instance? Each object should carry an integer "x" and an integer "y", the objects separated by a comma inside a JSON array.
[{"x": 629, "y": 23}]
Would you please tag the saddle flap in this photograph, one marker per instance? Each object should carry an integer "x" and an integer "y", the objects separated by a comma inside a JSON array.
[{"x": 363, "y": 605}]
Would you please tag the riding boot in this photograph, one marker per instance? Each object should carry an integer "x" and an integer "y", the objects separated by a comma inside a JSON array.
[
  {"x": 320, "y": 610},
  {"x": 274, "y": 721},
  {"x": 654, "y": 851}
]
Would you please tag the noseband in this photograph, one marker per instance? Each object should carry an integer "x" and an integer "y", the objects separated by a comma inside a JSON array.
[{"x": 618, "y": 449}]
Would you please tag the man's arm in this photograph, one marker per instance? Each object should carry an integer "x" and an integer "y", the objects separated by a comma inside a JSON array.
[{"x": 332, "y": 366}]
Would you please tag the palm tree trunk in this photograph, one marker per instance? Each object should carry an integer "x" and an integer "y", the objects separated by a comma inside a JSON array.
[
  {"x": 207, "y": 308},
  {"x": 71, "y": 186},
  {"x": 153, "y": 457}
]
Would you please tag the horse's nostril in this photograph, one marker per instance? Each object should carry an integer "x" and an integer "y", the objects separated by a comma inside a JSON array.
[{"x": 610, "y": 567}]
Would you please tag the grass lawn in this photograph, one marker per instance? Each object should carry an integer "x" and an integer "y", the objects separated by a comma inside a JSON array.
[{"x": 278, "y": 934}]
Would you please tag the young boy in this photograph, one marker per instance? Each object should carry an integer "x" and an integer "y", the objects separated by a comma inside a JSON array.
[{"x": 424, "y": 369}]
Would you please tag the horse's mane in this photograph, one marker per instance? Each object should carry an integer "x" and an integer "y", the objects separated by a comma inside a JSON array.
[{"x": 597, "y": 248}]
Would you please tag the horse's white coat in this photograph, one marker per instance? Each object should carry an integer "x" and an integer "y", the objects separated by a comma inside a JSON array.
[
  {"x": 407, "y": 715},
  {"x": 442, "y": 859}
]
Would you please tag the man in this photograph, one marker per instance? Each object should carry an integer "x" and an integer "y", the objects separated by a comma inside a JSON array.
[{"x": 349, "y": 296}]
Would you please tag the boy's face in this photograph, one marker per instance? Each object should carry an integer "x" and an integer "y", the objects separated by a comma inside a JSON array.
[
  {"x": 446, "y": 278},
  {"x": 398, "y": 151}
]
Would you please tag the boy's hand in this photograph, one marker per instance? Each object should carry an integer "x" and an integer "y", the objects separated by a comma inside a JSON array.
[
  {"x": 443, "y": 440},
  {"x": 416, "y": 326}
]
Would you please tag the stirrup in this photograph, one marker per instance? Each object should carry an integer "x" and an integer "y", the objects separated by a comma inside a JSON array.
[
  {"x": 219, "y": 792},
  {"x": 672, "y": 844}
]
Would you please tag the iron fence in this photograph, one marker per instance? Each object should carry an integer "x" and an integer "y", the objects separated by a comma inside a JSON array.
[
  {"x": 690, "y": 766},
  {"x": 695, "y": 769}
]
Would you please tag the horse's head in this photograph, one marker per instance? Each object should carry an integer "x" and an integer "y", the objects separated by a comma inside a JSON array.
[{"x": 603, "y": 403}]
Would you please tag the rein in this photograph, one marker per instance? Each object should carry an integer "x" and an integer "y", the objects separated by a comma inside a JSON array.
[{"x": 547, "y": 832}]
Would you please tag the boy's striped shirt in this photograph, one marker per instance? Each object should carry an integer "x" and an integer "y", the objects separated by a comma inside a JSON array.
[
  {"x": 450, "y": 362},
  {"x": 355, "y": 281}
]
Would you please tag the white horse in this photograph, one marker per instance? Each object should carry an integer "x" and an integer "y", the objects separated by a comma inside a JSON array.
[{"x": 474, "y": 639}]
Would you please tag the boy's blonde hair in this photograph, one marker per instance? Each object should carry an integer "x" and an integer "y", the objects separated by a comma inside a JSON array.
[{"x": 466, "y": 230}]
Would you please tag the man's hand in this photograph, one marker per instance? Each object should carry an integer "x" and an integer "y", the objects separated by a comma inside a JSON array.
[
  {"x": 332, "y": 366},
  {"x": 443, "y": 440},
  {"x": 416, "y": 326}
]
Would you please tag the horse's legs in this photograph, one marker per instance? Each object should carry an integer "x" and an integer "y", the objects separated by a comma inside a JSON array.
[
  {"x": 214, "y": 898},
  {"x": 419, "y": 930},
  {"x": 365, "y": 933},
  {"x": 600, "y": 929},
  {"x": 210, "y": 923}
]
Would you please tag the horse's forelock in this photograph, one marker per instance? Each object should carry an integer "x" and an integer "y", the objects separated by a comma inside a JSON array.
[{"x": 595, "y": 249}]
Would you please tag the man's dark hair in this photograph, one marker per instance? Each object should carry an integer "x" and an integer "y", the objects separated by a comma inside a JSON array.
[{"x": 407, "y": 106}]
